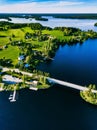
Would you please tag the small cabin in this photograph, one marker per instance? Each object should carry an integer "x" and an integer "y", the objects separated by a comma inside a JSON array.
[
  {"x": 26, "y": 65},
  {"x": 21, "y": 57}
]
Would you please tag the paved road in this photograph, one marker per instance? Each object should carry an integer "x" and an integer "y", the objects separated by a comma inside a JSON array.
[{"x": 17, "y": 70}]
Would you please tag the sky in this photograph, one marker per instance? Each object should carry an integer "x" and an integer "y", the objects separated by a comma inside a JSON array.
[{"x": 48, "y": 6}]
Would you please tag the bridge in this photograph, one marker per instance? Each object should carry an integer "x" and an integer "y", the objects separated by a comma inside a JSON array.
[{"x": 70, "y": 85}]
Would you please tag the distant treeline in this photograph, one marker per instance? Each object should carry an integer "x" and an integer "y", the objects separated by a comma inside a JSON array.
[
  {"x": 39, "y": 16},
  {"x": 76, "y": 16},
  {"x": 8, "y": 25}
]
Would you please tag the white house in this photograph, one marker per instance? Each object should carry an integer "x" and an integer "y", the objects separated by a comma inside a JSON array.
[
  {"x": 33, "y": 86},
  {"x": 21, "y": 57}
]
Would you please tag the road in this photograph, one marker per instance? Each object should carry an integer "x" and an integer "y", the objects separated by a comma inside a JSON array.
[{"x": 16, "y": 70}]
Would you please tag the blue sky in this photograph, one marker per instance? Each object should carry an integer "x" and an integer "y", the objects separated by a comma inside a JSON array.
[{"x": 48, "y": 6}]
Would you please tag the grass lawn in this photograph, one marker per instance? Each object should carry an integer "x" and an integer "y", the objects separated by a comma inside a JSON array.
[
  {"x": 10, "y": 53},
  {"x": 45, "y": 86},
  {"x": 27, "y": 29},
  {"x": 4, "y": 33},
  {"x": 57, "y": 33},
  {"x": 16, "y": 32},
  {"x": 4, "y": 41}
]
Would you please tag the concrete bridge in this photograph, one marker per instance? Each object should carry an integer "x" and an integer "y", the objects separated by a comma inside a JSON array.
[{"x": 70, "y": 85}]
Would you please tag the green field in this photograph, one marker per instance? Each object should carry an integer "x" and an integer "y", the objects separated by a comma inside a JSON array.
[
  {"x": 61, "y": 35},
  {"x": 10, "y": 53}
]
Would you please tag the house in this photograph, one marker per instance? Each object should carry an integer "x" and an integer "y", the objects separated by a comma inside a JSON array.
[
  {"x": 21, "y": 57},
  {"x": 33, "y": 85},
  {"x": 26, "y": 65}
]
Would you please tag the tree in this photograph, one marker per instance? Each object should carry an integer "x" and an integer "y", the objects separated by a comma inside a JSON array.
[
  {"x": 0, "y": 78},
  {"x": 94, "y": 86},
  {"x": 0, "y": 69},
  {"x": 28, "y": 59},
  {"x": 24, "y": 80}
]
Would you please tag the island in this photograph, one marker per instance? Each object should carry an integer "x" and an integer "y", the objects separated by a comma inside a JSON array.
[{"x": 89, "y": 96}]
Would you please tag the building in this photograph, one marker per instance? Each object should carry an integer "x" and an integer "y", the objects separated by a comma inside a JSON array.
[
  {"x": 27, "y": 65},
  {"x": 21, "y": 57}
]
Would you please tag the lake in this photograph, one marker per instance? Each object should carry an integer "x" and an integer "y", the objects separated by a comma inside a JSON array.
[
  {"x": 84, "y": 24},
  {"x": 57, "y": 108},
  {"x": 77, "y": 63}
]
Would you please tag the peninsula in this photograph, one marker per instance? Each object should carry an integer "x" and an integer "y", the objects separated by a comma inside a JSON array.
[{"x": 24, "y": 46}]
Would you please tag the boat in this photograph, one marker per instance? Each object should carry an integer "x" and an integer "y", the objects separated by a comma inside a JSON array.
[
  {"x": 33, "y": 88},
  {"x": 10, "y": 98}
]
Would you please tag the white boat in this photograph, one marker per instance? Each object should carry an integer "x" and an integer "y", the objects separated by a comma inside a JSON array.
[
  {"x": 10, "y": 98},
  {"x": 32, "y": 88}
]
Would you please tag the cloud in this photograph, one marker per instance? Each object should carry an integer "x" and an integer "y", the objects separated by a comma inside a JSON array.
[
  {"x": 47, "y": 7},
  {"x": 66, "y": 3}
]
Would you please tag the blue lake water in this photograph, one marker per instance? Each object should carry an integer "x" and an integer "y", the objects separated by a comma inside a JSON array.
[
  {"x": 57, "y": 108},
  {"x": 77, "y": 63}
]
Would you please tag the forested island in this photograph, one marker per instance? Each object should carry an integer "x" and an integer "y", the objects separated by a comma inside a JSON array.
[
  {"x": 89, "y": 96},
  {"x": 26, "y": 16},
  {"x": 24, "y": 46}
]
